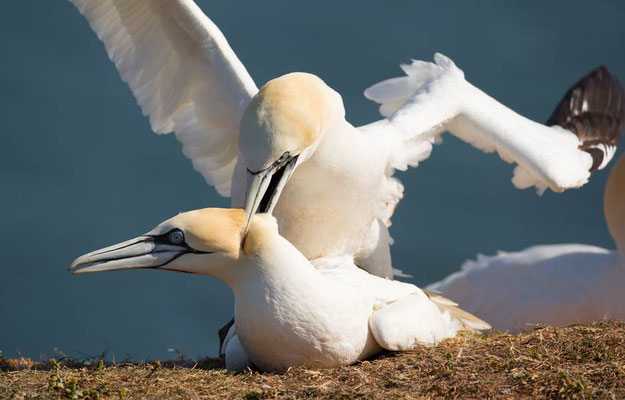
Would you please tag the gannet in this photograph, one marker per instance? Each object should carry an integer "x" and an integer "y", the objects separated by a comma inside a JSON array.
[
  {"x": 287, "y": 311},
  {"x": 340, "y": 193},
  {"x": 549, "y": 284}
]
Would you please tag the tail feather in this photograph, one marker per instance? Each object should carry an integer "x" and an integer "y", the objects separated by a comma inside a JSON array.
[
  {"x": 594, "y": 109},
  {"x": 223, "y": 337},
  {"x": 469, "y": 321}
]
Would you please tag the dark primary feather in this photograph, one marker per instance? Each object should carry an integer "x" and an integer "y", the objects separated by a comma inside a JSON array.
[{"x": 594, "y": 109}]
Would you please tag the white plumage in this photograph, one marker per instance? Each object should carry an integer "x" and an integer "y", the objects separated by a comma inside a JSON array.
[
  {"x": 435, "y": 97},
  {"x": 549, "y": 284}
]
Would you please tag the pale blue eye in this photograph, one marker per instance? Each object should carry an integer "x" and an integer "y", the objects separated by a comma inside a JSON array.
[{"x": 176, "y": 237}]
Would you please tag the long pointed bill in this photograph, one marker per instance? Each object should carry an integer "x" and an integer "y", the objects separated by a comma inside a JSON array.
[
  {"x": 141, "y": 252},
  {"x": 257, "y": 184},
  {"x": 264, "y": 188}
]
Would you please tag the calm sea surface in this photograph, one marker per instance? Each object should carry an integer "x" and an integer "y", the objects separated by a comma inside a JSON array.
[{"x": 80, "y": 168}]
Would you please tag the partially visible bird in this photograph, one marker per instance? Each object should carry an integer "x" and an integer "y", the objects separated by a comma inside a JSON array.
[
  {"x": 549, "y": 284},
  {"x": 287, "y": 147},
  {"x": 288, "y": 312}
]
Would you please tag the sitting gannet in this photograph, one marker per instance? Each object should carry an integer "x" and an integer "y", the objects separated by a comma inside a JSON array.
[
  {"x": 549, "y": 284},
  {"x": 287, "y": 311},
  {"x": 340, "y": 193}
]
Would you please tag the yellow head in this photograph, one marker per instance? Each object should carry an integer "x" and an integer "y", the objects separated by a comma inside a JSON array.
[
  {"x": 280, "y": 129},
  {"x": 288, "y": 113},
  {"x": 214, "y": 230},
  {"x": 614, "y": 204},
  {"x": 206, "y": 241}
]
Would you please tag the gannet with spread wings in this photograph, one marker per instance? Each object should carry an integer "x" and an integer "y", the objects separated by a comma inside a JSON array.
[{"x": 288, "y": 149}]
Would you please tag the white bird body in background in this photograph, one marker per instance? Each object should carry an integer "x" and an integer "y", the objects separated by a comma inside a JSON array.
[
  {"x": 288, "y": 312},
  {"x": 549, "y": 284},
  {"x": 289, "y": 146}
]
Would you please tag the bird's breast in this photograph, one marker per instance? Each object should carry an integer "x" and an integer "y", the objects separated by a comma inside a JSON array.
[
  {"x": 311, "y": 328},
  {"x": 332, "y": 200}
]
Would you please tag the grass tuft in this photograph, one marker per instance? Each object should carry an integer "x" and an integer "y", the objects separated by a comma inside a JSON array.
[{"x": 577, "y": 362}]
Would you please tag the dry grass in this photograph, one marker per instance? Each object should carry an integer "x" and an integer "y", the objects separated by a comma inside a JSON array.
[{"x": 575, "y": 362}]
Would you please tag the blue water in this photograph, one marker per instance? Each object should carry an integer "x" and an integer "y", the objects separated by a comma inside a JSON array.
[{"x": 80, "y": 168}]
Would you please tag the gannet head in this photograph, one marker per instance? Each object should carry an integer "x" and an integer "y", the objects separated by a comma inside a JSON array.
[
  {"x": 614, "y": 204},
  {"x": 207, "y": 241},
  {"x": 280, "y": 129}
]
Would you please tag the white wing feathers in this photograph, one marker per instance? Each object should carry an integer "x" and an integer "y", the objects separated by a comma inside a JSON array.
[
  {"x": 183, "y": 73},
  {"x": 417, "y": 319},
  {"x": 435, "y": 97}
]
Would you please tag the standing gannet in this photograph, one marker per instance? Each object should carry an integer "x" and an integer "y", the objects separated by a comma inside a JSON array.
[
  {"x": 340, "y": 193},
  {"x": 287, "y": 311},
  {"x": 549, "y": 284}
]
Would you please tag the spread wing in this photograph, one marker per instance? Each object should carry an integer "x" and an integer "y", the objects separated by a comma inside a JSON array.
[
  {"x": 182, "y": 72},
  {"x": 435, "y": 97}
]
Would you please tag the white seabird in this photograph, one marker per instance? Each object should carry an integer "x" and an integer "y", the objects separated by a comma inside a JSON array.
[
  {"x": 549, "y": 284},
  {"x": 341, "y": 193},
  {"x": 287, "y": 311}
]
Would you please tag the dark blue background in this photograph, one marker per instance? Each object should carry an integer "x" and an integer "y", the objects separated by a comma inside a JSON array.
[{"x": 80, "y": 168}]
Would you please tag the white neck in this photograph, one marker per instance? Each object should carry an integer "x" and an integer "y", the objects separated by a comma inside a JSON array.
[
  {"x": 285, "y": 311},
  {"x": 278, "y": 267}
]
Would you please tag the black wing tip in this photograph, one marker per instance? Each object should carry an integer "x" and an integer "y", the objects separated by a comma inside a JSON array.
[
  {"x": 601, "y": 70},
  {"x": 594, "y": 109},
  {"x": 598, "y": 92}
]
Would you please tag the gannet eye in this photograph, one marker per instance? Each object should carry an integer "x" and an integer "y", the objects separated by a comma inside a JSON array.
[
  {"x": 176, "y": 236},
  {"x": 284, "y": 157}
]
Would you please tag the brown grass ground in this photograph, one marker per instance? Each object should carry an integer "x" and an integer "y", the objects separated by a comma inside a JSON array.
[{"x": 574, "y": 362}]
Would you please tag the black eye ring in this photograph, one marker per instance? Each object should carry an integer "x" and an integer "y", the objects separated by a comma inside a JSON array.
[{"x": 176, "y": 236}]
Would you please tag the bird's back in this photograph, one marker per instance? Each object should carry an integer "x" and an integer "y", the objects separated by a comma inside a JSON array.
[{"x": 549, "y": 284}]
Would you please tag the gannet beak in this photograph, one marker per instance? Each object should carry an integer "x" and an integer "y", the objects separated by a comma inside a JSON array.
[
  {"x": 141, "y": 252},
  {"x": 264, "y": 187}
]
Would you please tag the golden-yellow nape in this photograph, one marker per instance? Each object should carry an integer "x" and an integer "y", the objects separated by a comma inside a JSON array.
[
  {"x": 288, "y": 113},
  {"x": 210, "y": 229},
  {"x": 614, "y": 204}
]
